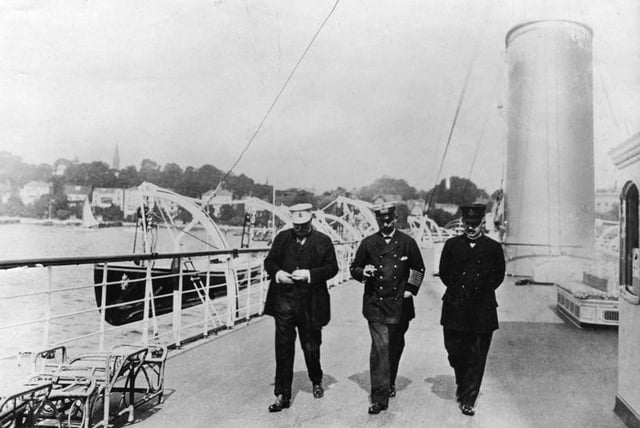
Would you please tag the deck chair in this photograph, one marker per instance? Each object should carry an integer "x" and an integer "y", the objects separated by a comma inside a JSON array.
[
  {"x": 87, "y": 387},
  {"x": 17, "y": 408},
  {"x": 71, "y": 396}
]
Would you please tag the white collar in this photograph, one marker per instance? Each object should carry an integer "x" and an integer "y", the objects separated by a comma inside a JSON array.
[{"x": 389, "y": 236}]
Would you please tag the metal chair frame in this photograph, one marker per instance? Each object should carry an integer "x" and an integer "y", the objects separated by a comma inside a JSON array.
[{"x": 132, "y": 375}]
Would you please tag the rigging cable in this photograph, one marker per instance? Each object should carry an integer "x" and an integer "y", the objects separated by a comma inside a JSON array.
[
  {"x": 453, "y": 125},
  {"x": 284, "y": 86},
  {"x": 475, "y": 155},
  {"x": 455, "y": 117}
]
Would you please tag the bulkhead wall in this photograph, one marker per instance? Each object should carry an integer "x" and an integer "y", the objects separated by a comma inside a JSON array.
[{"x": 549, "y": 187}]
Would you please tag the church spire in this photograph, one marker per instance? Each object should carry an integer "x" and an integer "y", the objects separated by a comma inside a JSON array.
[{"x": 116, "y": 159}]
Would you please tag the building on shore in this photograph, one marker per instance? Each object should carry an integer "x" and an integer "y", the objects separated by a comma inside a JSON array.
[
  {"x": 104, "y": 197},
  {"x": 34, "y": 190}
]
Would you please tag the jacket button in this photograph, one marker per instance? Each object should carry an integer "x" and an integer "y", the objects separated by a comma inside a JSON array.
[
  {"x": 380, "y": 298},
  {"x": 380, "y": 288},
  {"x": 395, "y": 266}
]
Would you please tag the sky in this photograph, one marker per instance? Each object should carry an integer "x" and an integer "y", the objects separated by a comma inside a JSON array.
[{"x": 375, "y": 95}]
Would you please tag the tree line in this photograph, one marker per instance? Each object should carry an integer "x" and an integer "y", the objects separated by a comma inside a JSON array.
[{"x": 193, "y": 182}]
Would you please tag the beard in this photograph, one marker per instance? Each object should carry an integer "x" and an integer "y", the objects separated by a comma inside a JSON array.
[
  {"x": 473, "y": 233},
  {"x": 302, "y": 232},
  {"x": 386, "y": 229}
]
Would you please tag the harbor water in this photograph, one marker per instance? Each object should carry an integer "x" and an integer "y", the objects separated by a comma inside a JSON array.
[{"x": 30, "y": 241}]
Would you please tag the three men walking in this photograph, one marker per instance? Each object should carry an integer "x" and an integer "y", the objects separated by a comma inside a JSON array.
[{"x": 390, "y": 265}]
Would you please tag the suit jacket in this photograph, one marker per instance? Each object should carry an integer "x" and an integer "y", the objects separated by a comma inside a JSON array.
[
  {"x": 471, "y": 276},
  {"x": 383, "y": 293},
  {"x": 319, "y": 257}
]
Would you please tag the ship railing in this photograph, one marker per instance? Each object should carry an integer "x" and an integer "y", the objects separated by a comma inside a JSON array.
[{"x": 62, "y": 301}]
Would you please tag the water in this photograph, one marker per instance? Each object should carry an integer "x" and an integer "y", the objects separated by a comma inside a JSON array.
[{"x": 28, "y": 241}]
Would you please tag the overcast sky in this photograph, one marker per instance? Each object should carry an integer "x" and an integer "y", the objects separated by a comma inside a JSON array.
[{"x": 190, "y": 81}]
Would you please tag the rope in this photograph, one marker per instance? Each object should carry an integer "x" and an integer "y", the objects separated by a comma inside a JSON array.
[{"x": 284, "y": 86}]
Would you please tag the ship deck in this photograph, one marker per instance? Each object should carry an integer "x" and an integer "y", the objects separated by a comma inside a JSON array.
[{"x": 542, "y": 371}]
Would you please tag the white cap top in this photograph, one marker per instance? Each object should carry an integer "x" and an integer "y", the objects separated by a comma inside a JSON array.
[{"x": 300, "y": 213}]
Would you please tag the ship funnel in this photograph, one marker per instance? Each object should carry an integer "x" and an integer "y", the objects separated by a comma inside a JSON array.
[{"x": 549, "y": 186}]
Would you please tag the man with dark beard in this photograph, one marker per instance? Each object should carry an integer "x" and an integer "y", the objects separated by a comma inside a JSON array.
[
  {"x": 299, "y": 263},
  {"x": 390, "y": 264},
  {"x": 472, "y": 266}
]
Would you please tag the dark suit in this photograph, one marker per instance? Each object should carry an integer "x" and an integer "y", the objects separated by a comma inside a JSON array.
[
  {"x": 302, "y": 305},
  {"x": 471, "y": 274},
  {"x": 383, "y": 305}
]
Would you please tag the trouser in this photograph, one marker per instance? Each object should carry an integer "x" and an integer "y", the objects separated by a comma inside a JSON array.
[
  {"x": 387, "y": 344},
  {"x": 468, "y": 357},
  {"x": 310, "y": 341}
]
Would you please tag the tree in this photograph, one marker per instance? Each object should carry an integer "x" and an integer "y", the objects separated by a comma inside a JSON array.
[
  {"x": 189, "y": 182},
  {"x": 149, "y": 171},
  {"x": 441, "y": 217},
  {"x": 13, "y": 207},
  {"x": 171, "y": 176},
  {"x": 42, "y": 172},
  {"x": 77, "y": 173},
  {"x": 100, "y": 175},
  {"x": 128, "y": 178},
  {"x": 385, "y": 186},
  {"x": 13, "y": 170},
  {"x": 461, "y": 191},
  {"x": 240, "y": 185},
  {"x": 59, "y": 199},
  {"x": 294, "y": 196}
]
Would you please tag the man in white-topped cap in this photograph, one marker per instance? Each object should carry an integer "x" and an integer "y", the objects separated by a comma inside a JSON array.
[{"x": 299, "y": 263}]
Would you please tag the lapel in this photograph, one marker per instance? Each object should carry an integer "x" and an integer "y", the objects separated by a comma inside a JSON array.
[{"x": 384, "y": 248}]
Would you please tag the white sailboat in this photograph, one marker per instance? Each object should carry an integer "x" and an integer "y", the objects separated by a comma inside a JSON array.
[{"x": 88, "y": 219}]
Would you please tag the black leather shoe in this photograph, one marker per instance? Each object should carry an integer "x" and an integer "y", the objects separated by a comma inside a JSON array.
[
  {"x": 376, "y": 408},
  {"x": 318, "y": 391},
  {"x": 279, "y": 404},
  {"x": 467, "y": 409},
  {"x": 392, "y": 391}
]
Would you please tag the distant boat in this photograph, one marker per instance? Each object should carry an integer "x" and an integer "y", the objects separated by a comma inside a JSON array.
[{"x": 88, "y": 219}]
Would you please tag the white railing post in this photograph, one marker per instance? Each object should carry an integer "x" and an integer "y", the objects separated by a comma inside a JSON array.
[
  {"x": 207, "y": 300},
  {"x": 148, "y": 293},
  {"x": 177, "y": 307},
  {"x": 231, "y": 293},
  {"x": 261, "y": 285},
  {"x": 103, "y": 305},
  {"x": 248, "y": 304},
  {"x": 45, "y": 338}
]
